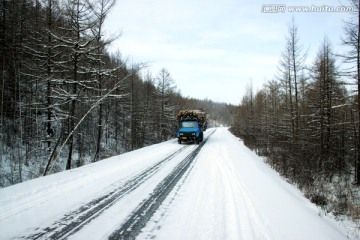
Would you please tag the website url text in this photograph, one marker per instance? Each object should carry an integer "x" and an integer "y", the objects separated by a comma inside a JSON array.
[{"x": 282, "y": 8}]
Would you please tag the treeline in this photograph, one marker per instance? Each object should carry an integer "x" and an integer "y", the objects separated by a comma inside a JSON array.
[
  {"x": 306, "y": 122},
  {"x": 66, "y": 101}
]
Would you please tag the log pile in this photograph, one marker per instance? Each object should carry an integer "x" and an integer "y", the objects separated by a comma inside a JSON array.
[{"x": 194, "y": 114}]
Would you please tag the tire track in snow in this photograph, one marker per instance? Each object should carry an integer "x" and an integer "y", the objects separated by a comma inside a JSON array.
[
  {"x": 249, "y": 224},
  {"x": 75, "y": 220},
  {"x": 142, "y": 214}
]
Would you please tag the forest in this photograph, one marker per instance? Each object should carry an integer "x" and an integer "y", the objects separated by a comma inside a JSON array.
[
  {"x": 305, "y": 121},
  {"x": 66, "y": 101}
]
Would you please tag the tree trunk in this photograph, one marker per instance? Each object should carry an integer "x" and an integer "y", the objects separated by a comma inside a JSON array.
[{"x": 357, "y": 164}]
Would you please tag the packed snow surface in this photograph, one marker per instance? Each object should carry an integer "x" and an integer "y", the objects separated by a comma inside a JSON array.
[{"x": 228, "y": 192}]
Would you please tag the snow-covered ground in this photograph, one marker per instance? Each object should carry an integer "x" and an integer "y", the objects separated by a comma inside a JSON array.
[{"x": 226, "y": 192}]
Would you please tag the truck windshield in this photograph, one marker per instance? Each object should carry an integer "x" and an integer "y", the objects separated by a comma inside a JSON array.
[{"x": 189, "y": 124}]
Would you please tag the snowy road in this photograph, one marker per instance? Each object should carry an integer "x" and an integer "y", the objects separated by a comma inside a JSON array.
[{"x": 216, "y": 190}]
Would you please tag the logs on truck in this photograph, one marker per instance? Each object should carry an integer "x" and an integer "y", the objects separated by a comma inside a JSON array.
[{"x": 194, "y": 114}]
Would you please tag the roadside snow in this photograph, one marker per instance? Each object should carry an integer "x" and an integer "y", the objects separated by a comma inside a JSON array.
[{"x": 228, "y": 193}]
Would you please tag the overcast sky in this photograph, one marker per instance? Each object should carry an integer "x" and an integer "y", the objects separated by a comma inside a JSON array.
[{"x": 214, "y": 48}]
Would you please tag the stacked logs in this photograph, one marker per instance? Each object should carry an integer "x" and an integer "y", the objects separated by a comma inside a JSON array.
[{"x": 198, "y": 115}]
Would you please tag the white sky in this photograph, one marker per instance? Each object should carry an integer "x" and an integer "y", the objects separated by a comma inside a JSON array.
[{"x": 213, "y": 49}]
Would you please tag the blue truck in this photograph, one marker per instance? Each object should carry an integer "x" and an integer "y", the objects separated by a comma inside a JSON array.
[{"x": 192, "y": 124}]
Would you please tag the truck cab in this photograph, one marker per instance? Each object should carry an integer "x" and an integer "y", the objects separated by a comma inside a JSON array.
[{"x": 190, "y": 131}]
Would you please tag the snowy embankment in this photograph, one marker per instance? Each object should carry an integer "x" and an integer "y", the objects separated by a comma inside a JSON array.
[{"x": 226, "y": 193}]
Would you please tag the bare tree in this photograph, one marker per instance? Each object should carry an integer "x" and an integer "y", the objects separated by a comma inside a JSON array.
[
  {"x": 101, "y": 11},
  {"x": 78, "y": 44},
  {"x": 166, "y": 87}
]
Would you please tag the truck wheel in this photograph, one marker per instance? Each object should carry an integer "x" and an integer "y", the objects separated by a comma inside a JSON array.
[
  {"x": 198, "y": 140},
  {"x": 179, "y": 141}
]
